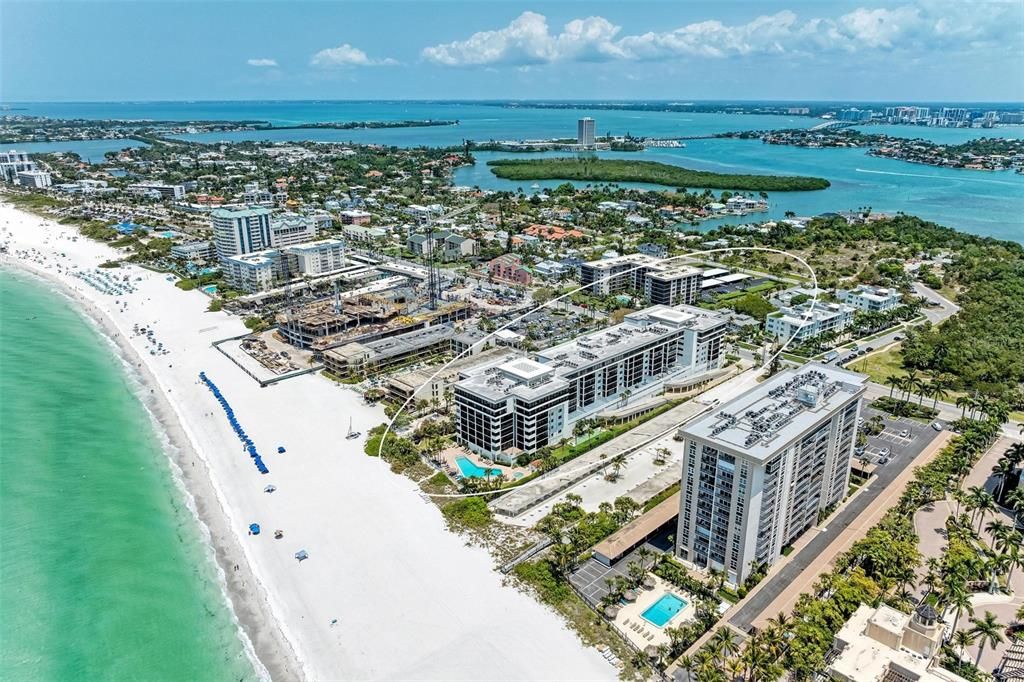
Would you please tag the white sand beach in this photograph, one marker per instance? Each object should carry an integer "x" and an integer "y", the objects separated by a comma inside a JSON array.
[{"x": 412, "y": 601}]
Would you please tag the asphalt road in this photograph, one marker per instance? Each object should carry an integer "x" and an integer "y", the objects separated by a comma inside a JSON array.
[{"x": 904, "y": 452}]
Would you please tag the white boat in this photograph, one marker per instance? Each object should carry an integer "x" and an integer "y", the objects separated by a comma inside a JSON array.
[{"x": 351, "y": 434}]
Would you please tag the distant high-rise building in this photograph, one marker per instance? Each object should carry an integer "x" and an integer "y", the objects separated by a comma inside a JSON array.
[
  {"x": 585, "y": 132},
  {"x": 14, "y": 162},
  {"x": 758, "y": 469},
  {"x": 954, "y": 115},
  {"x": 237, "y": 232},
  {"x": 855, "y": 115}
]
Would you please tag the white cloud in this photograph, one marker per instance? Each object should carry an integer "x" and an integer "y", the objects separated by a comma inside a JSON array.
[
  {"x": 527, "y": 40},
  {"x": 262, "y": 62},
  {"x": 924, "y": 26},
  {"x": 347, "y": 55}
]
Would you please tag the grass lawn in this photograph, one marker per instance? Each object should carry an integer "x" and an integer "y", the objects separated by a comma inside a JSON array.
[{"x": 883, "y": 364}]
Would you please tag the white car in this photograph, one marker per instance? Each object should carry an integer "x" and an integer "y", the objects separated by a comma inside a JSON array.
[{"x": 905, "y": 433}]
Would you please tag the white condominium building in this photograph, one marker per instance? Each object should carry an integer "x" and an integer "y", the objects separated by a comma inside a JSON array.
[
  {"x": 263, "y": 270},
  {"x": 870, "y": 299},
  {"x": 758, "y": 469},
  {"x": 521, "y": 406},
  {"x": 316, "y": 258},
  {"x": 673, "y": 286},
  {"x": 288, "y": 229},
  {"x": 14, "y": 162},
  {"x": 662, "y": 283},
  {"x": 240, "y": 231},
  {"x": 586, "y": 132},
  {"x": 253, "y": 272},
  {"x": 613, "y": 275},
  {"x": 823, "y": 318},
  {"x": 157, "y": 189},
  {"x": 34, "y": 178}
]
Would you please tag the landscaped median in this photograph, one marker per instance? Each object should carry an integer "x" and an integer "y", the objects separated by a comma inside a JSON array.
[{"x": 618, "y": 170}]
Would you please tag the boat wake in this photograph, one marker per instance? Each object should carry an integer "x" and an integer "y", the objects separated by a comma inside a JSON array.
[{"x": 937, "y": 177}]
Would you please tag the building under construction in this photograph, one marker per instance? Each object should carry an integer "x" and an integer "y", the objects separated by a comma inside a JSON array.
[{"x": 361, "y": 316}]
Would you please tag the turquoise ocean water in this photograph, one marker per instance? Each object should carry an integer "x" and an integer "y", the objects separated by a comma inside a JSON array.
[
  {"x": 986, "y": 203},
  {"x": 103, "y": 574}
]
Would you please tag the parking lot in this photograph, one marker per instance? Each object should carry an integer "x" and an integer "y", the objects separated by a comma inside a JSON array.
[{"x": 901, "y": 435}]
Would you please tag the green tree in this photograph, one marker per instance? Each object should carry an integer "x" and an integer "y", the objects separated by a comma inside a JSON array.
[{"x": 987, "y": 630}]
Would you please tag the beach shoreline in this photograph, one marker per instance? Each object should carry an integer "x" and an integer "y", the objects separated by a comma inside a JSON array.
[
  {"x": 269, "y": 650},
  {"x": 385, "y": 576}
]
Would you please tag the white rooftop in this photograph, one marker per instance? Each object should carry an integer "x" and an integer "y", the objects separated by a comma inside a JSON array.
[{"x": 768, "y": 417}]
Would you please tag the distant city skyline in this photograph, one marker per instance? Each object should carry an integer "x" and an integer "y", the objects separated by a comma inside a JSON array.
[{"x": 781, "y": 50}]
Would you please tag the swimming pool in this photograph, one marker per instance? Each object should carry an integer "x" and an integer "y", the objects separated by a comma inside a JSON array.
[
  {"x": 664, "y": 610},
  {"x": 471, "y": 470},
  {"x": 210, "y": 289}
]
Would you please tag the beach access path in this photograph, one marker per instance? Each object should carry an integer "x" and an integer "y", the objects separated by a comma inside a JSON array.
[{"x": 408, "y": 599}]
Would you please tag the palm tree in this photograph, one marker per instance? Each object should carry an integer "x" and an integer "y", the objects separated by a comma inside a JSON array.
[
  {"x": 564, "y": 557},
  {"x": 1015, "y": 453},
  {"x": 911, "y": 382},
  {"x": 643, "y": 554},
  {"x": 957, "y": 597},
  {"x": 1003, "y": 468},
  {"x": 963, "y": 639},
  {"x": 963, "y": 402},
  {"x": 893, "y": 382},
  {"x": 938, "y": 392},
  {"x": 997, "y": 532},
  {"x": 722, "y": 642},
  {"x": 1015, "y": 558},
  {"x": 1015, "y": 500},
  {"x": 988, "y": 631},
  {"x": 685, "y": 663},
  {"x": 617, "y": 463}
]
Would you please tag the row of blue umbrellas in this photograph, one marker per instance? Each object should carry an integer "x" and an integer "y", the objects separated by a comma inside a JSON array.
[{"x": 246, "y": 441}]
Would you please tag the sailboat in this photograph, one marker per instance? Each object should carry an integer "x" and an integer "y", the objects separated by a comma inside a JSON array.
[{"x": 352, "y": 434}]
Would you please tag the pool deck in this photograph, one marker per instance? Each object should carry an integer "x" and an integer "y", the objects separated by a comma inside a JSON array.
[
  {"x": 642, "y": 632},
  {"x": 450, "y": 455}
]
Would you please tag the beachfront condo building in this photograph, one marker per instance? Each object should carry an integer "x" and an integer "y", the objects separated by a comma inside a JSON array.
[
  {"x": 758, "y": 469},
  {"x": 586, "y": 132},
  {"x": 240, "y": 231},
  {"x": 515, "y": 408},
  {"x": 870, "y": 299},
  {"x": 261, "y": 271},
  {"x": 808, "y": 320}
]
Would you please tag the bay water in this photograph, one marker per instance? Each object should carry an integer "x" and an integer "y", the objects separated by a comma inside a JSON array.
[{"x": 981, "y": 202}]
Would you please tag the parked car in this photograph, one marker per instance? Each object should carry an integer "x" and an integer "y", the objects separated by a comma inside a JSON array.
[
  {"x": 884, "y": 452},
  {"x": 905, "y": 433},
  {"x": 937, "y": 426}
]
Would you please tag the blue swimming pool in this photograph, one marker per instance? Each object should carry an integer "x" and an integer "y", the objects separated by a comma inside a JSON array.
[
  {"x": 664, "y": 610},
  {"x": 471, "y": 470}
]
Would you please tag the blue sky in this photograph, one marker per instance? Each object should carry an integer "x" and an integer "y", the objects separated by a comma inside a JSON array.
[{"x": 769, "y": 49}]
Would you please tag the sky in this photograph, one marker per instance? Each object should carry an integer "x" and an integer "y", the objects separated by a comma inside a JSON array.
[{"x": 846, "y": 50}]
